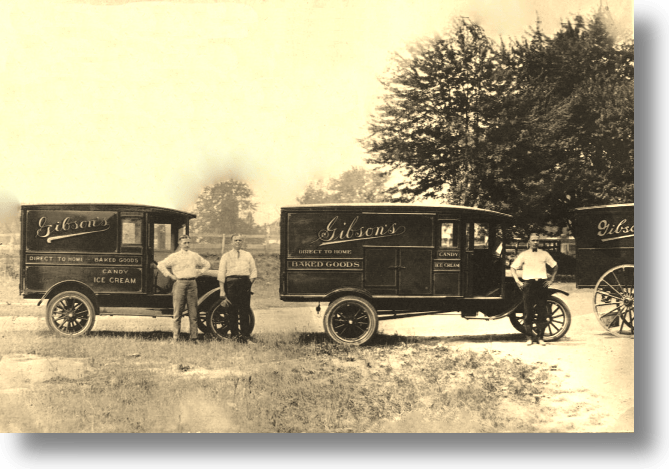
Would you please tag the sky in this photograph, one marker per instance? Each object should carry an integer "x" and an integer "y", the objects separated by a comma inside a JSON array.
[{"x": 106, "y": 101}]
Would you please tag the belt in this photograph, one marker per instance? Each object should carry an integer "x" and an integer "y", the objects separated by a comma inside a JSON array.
[
  {"x": 236, "y": 276},
  {"x": 189, "y": 278}
]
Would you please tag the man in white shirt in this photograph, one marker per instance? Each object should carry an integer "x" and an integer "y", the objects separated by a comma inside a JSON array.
[
  {"x": 534, "y": 285},
  {"x": 236, "y": 275},
  {"x": 184, "y": 266}
]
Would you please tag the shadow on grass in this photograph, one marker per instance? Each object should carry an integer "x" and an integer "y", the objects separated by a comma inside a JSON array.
[
  {"x": 139, "y": 335},
  {"x": 383, "y": 340}
]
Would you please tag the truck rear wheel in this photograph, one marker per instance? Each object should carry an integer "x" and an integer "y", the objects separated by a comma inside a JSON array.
[
  {"x": 70, "y": 314},
  {"x": 351, "y": 320}
]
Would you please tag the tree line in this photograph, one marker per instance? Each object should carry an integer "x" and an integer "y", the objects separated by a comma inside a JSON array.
[{"x": 535, "y": 127}]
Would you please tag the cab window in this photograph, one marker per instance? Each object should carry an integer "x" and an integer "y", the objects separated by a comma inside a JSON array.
[{"x": 478, "y": 236}]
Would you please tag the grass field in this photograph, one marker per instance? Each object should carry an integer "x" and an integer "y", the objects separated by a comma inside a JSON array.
[{"x": 287, "y": 382}]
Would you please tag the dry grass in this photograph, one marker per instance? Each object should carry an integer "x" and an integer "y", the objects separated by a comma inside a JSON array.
[{"x": 141, "y": 382}]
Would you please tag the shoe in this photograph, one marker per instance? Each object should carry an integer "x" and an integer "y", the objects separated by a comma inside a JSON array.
[
  {"x": 541, "y": 342},
  {"x": 529, "y": 342}
]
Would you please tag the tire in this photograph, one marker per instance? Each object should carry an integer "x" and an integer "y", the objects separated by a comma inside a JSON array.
[
  {"x": 613, "y": 301},
  {"x": 559, "y": 319},
  {"x": 218, "y": 321},
  {"x": 516, "y": 318},
  {"x": 70, "y": 314},
  {"x": 351, "y": 320}
]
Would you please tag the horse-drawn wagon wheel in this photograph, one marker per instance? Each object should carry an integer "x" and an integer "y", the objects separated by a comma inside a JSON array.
[
  {"x": 558, "y": 318},
  {"x": 220, "y": 324},
  {"x": 350, "y": 320},
  {"x": 613, "y": 301}
]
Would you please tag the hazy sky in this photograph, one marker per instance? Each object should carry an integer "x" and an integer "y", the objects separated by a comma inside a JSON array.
[{"x": 148, "y": 102}]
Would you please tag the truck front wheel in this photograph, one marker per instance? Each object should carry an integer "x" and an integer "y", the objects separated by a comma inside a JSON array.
[
  {"x": 70, "y": 314},
  {"x": 351, "y": 320}
]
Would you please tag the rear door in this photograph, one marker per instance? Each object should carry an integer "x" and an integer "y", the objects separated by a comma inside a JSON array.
[{"x": 398, "y": 270}]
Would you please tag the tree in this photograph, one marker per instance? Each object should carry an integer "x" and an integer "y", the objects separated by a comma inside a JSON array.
[
  {"x": 431, "y": 125},
  {"x": 535, "y": 128},
  {"x": 356, "y": 185},
  {"x": 225, "y": 207}
]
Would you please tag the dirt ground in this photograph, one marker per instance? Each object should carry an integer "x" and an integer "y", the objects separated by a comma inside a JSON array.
[{"x": 591, "y": 385}]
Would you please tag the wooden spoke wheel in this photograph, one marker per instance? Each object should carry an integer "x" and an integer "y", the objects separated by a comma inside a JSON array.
[
  {"x": 70, "y": 314},
  {"x": 351, "y": 320},
  {"x": 202, "y": 324},
  {"x": 220, "y": 324},
  {"x": 613, "y": 301},
  {"x": 558, "y": 318}
]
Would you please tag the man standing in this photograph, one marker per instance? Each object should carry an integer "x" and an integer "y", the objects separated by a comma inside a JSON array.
[
  {"x": 236, "y": 275},
  {"x": 534, "y": 285},
  {"x": 184, "y": 266}
]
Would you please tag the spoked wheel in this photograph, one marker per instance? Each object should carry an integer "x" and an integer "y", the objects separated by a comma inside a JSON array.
[
  {"x": 558, "y": 318},
  {"x": 613, "y": 301},
  {"x": 220, "y": 323},
  {"x": 202, "y": 324},
  {"x": 351, "y": 320},
  {"x": 70, "y": 314}
]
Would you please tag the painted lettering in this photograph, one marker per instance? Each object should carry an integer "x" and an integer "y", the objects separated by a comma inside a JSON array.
[
  {"x": 333, "y": 234},
  {"x": 45, "y": 230},
  {"x": 610, "y": 232}
]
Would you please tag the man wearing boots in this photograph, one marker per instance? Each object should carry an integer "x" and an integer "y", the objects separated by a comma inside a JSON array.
[{"x": 534, "y": 286}]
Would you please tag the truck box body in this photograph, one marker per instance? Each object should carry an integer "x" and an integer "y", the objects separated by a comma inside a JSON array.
[
  {"x": 604, "y": 239},
  {"x": 390, "y": 251}
]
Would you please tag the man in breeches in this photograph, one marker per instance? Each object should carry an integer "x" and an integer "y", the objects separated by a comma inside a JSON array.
[
  {"x": 184, "y": 267},
  {"x": 534, "y": 286}
]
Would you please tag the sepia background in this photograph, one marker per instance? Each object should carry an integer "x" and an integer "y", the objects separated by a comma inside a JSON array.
[{"x": 118, "y": 101}]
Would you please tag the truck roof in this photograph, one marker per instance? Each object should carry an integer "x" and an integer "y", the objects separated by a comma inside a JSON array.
[
  {"x": 108, "y": 207},
  {"x": 394, "y": 207},
  {"x": 596, "y": 207}
]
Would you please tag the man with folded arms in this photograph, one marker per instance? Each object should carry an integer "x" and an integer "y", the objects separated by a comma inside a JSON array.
[
  {"x": 236, "y": 274},
  {"x": 184, "y": 266}
]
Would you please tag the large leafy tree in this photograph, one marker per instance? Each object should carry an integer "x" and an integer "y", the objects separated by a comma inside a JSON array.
[
  {"x": 534, "y": 128},
  {"x": 225, "y": 207},
  {"x": 356, "y": 185}
]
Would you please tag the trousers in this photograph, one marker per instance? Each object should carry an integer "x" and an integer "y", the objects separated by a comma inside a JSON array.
[
  {"x": 238, "y": 291},
  {"x": 535, "y": 295},
  {"x": 184, "y": 293}
]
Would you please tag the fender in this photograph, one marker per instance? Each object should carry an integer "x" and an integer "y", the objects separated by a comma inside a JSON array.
[
  {"x": 334, "y": 294},
  {"x": 203, "y": 299},
  {"x": 552, "y": 291},
  {"x": 79, "y": 286}
]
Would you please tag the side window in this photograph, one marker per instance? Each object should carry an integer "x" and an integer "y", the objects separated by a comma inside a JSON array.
[
  {"x": 163, "y": 241},
  {"x": 131, "y": 234},
  {"x": 480, "y": 236},
  {"x": 449, "y": 234}
]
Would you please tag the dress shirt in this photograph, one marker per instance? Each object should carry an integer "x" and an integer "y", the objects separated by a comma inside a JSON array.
[
  {"x": 184, "y": 264},
  {"x": 534, "y": 264},
  {"x": 232, "y": 264}
]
